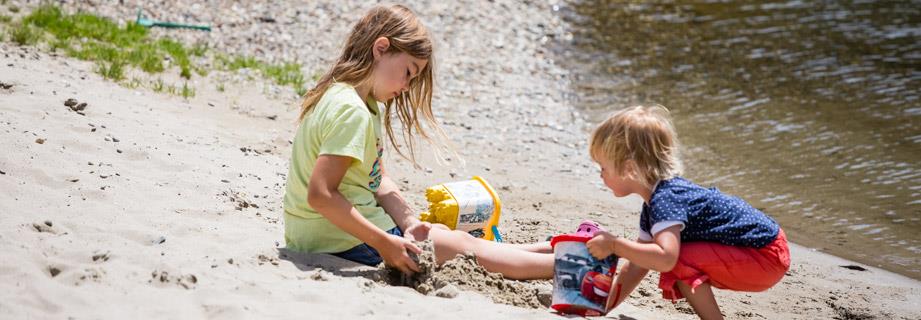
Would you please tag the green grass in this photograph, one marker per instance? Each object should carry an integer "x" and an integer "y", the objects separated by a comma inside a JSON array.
[
  {"x": 114, "y": 70},
  {"x": 5, "y": 18},
  {"x": 24, "y": 34},
  {"x": 90, "y": 37},
  {"x": 115, "y": 49},
  {"x": 187, "y": 92},
  {"x": 157, "y": 86},
  {"x": 134, "y": 83},
  {"x": 284, "y": 73},
  {"x": 199, "y": 49}
]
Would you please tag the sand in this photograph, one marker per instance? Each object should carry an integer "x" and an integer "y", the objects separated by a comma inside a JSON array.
[
  {"x": 462, "y": 272},
  {"x": 146, "y": 205}
]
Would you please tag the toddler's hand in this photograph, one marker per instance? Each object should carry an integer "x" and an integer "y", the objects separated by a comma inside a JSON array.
[{"x": 602, "y": 245}]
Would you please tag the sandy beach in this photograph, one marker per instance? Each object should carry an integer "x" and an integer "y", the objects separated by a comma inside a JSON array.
[{"x": 151, "y": 205}]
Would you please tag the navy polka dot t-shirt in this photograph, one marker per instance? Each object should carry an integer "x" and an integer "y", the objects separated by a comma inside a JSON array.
[{"x": 706, "y": 215}]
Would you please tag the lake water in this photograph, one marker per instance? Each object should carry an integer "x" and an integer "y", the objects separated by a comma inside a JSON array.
[{"x": 807, "y": 109}]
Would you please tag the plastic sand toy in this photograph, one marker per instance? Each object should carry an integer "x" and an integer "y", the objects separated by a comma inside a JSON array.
[
  {"x": 581, "y": 283},
  {"x": 147, "y": 23},
  {"x": 470, "y": 206}
]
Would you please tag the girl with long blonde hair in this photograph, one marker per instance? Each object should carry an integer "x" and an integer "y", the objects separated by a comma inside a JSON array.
[{"x": 339, "y": 198}]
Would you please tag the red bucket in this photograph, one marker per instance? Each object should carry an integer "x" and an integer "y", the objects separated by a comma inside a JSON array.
[{"x": 581, "y": 283}]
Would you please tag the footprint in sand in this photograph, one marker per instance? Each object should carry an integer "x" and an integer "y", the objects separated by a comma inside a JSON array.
[
  {"x": 187, "y": 281},
  {"x": 6, "y": 87},
  {"x": 45, "y": 227},
  {"x": 101, "y": 257},
  {"x": 263, "y": 259},
  {"x": 89, "y": 274}
]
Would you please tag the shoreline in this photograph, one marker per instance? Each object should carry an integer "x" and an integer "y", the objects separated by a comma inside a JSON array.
[
  {"x": 752, "y": 139},
  {"x": 166, "y": 179}
]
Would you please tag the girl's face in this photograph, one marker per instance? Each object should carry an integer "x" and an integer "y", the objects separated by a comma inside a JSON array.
[
  {"x": 393, "y": 71},
  {"x": 619, "y": 183}
]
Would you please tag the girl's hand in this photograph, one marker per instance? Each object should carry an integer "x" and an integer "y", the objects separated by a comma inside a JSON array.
[
  {"x": 418, "y": 231},
  {"x": 395, "y": 252},
  {"x": 602, "y": 245}
]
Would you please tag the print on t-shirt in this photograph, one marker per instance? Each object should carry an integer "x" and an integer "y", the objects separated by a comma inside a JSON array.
[{"x": 375, "y": 173}]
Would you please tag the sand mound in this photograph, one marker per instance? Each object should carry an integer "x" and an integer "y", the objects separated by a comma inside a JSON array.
[{"x": 461, "y": 272}]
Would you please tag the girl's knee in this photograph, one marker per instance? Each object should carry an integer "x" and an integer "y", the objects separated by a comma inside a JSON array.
[{"x": 450, "y": 243}]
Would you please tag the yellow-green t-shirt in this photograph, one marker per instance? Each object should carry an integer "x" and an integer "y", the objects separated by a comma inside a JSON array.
[{"x": 340, "y": 124}]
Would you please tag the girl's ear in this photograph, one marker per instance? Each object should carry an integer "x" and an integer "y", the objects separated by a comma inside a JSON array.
[{"x": 380, "y": 47}]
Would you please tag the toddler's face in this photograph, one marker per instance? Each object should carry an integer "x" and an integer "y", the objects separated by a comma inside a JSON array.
[
  {"x": 618, "y": 183},
  {"x": 393, "y": 73}
]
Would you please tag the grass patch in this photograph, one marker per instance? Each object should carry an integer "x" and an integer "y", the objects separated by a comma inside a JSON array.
[
  {"x": 157, "y": 86},
  {"x": 116, "y": 49},
  {"x": 114, "y": 70},
  {"x": 24, "y": 34},
  {"x": 90, "y": 37},
  {"x": 134, "y": 83},
  {"x": 285, "y": 73},
  {"x": 5, "y": 18},
  {"x": 187, "y": 92}
]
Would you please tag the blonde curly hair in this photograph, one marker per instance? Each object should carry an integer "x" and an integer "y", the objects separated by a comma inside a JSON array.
[{"x": 643, "y": 134}]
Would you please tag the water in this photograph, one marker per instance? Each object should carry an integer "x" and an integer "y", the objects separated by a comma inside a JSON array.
[{"x": 807, "y": 109}]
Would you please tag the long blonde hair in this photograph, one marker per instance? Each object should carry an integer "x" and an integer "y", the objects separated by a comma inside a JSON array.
[
  {"x": 406, "y": 34},
  {"x": 642, "y": 134}
]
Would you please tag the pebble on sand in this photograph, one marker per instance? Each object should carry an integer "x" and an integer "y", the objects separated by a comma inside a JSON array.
[
  {"x": 54, "y": 271},
  {"x": 448, "y": 291},
  {"x": 75, "y": 106}
]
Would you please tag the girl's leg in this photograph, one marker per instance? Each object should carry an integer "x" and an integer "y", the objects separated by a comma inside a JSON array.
[
  {"x": 702, "y": 300},
  {"x": 537, "y": 247},
  {"x": 511, "y": 262},
  {"x": 626, "y": 281}
]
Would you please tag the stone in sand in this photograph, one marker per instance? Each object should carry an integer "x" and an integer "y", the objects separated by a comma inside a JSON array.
[
  {"x": 448, "y": 291},
  {"x": 54, "y": 271}
]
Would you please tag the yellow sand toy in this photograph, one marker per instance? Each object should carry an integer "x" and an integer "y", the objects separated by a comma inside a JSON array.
[{"x": 470, "y": 205}]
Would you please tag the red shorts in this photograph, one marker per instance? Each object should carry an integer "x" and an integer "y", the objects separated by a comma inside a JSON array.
[{"x": 727, "y": 267}]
